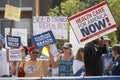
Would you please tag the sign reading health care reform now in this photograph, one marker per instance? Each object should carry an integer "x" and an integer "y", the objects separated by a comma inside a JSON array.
[
  {"x": 93, "y": 22},
  {"x": 43, "y": 39},
  {"x": 58, "y": 25}
]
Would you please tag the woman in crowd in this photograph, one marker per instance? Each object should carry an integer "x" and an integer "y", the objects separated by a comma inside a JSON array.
[
  {"x": 107, "y": 57},
  {"x": 65, "y": 61},
  {"x": 116, "y": 55},
  {"x": 78, "y": 63},
  {"x": 36, "y": 67}
]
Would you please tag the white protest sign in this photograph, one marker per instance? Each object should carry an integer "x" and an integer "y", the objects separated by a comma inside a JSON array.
[
  {"x": 93, "y": 22},
  {"x": 18, "y": 32},
  {"x": 15, "y": 55},
  {"x": 58, "y": 25},
  {"x": 54, "y": 50}
]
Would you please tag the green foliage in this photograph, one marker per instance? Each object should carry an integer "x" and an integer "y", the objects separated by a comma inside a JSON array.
[
  {"x": 67, "y": 8},
  {"x": 115, "y": 9},
  {"x": 71, "y": 7},
  {"x": 114, "y": 6}
]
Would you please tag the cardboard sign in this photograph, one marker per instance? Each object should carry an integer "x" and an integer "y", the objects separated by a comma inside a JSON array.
[
  {"x": 15, "y": 55},
  {"x": 17, "y": 32},
  {"x": 12, "y": 12},
  {"x": 2, "y": 38},
  {"x": 43, "y": 39},
  {"x": 13, "y": 41},
  {"x": 93, "y": 22},
  {"x": 58, "y": 25}
]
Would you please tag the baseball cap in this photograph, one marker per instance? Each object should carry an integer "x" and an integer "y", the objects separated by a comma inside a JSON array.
[
  {"x": 106, "y": 38},
  {"x": 32, "y": 48},
  {"x": 67, "y": 45}
]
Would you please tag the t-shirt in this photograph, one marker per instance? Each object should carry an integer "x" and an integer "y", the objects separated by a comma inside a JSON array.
[
  {"x": 36, "y": 68},
  {"x": 4, "y": 65},
  {"x": 77, "y": 65}
]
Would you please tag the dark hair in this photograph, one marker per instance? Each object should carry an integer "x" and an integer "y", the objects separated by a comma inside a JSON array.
[
  {"x": 26, "y": 50},
  {"x": 116, "y": 48},
  {"x": 78, "y": 55}
]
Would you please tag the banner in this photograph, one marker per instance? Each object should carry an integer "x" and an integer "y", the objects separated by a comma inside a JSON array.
[
  {"x": 12, "y": 12},
  {"x": 93, "y": 22},
  {"x": 15, "y": 55},
  {"x": 43, "y": 39},
  {"x": 58, "y": 25},
  {"x": 13, "y": 41},
  {"x": 2, "y": 38}
]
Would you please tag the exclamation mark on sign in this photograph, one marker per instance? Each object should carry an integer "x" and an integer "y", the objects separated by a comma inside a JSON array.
[{"x": 108, "y": 21}]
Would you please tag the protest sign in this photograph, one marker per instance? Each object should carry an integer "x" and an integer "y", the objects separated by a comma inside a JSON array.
[
  {"x": 15, "y": 55},
  {"x": 12, "y": 12},
  {"x": 17, "y": 32},
  {"x": 54, "y": 50},
  {"x": 2, "y": 38},
  {"x": 58, "y": 25},
  {"x": 92, "y": 22},
  {"x": 43, "y": 39},
  {"x": 13, "y": 41}
]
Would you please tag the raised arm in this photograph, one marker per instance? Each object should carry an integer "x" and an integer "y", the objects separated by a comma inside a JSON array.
[{"x": 50, "y": 55}]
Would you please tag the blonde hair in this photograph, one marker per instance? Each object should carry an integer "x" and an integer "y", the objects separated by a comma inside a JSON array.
[{"x": 78, "y": 55}]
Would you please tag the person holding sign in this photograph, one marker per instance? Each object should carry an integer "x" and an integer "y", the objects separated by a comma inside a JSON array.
[
  {"x": 4, "y": 65},
  {"x": 36, "y": 67},
  {"x": 92, "y": 57},
  {"x": 64, "y": 62}
]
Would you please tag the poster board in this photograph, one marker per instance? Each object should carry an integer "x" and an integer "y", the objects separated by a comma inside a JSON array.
[
  {"x": 43, "y": 39},
  {"x": 13, "y": 41},
  {"x": 17, "y": 32},
  {"x": 12, "y": 13},
  {"x": 58, "y": 25},
  {"x": 15, "y": 55},
  {"x": 93, "y": 22}
]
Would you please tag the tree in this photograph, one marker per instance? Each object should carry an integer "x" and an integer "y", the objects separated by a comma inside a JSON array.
[
  {"x": 115, "y": 9},
  {"x": 71, "y": 7},
  {"x": 68, "y": 9}
]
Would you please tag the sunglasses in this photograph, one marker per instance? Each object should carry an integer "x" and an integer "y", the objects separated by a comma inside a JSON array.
[
  {"x": 65, "y": 48},
  {"x": 35, "y": 53}
]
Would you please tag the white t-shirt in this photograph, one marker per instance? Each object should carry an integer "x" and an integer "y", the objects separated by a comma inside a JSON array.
[
  {"x": 77, "y": 65},
  {"x": 4, "y": 65}
]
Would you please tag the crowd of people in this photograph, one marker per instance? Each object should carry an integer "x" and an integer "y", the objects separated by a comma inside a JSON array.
[{"x": 96, "y": 58}]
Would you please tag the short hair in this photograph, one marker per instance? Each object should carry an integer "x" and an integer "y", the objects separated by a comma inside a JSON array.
[{"x": 116, "y": 48}]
